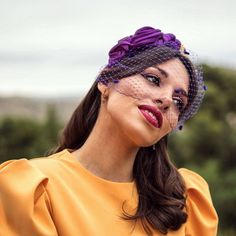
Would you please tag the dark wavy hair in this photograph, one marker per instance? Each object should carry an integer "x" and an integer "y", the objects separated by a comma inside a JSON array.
[{"x": 160, "y": 187}]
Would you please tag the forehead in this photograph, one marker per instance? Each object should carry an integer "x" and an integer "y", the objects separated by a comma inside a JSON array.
[{"x": 175, "y": 72}]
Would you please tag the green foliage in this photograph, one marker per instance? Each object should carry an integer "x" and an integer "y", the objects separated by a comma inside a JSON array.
[{"x": 21, "y": 137}]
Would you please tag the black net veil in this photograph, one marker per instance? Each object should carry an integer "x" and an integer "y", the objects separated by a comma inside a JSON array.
[{"x": 129, "y": 76}]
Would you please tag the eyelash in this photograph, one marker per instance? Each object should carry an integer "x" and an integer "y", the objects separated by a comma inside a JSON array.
[
  {"x": 180, "y": 104},
  {"x": 155, "y": 79}
]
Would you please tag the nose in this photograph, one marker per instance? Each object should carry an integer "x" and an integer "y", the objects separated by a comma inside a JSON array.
[{"x": 163, "y": 103}]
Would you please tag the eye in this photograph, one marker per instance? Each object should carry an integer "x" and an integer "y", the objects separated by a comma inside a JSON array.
[
  {"x": 179, "y": 104},
  {"x": 152, "y": 78}
]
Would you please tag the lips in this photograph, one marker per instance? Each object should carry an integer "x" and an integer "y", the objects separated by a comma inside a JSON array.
[{"x": 152, "y": 115}]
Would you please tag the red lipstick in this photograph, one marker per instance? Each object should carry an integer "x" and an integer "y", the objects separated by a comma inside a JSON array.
[{"x": 152, "y": 115}]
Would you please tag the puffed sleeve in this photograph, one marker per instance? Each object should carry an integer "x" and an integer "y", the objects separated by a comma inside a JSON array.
[
  {"x": 202, "y": 217},
  {"x": 25, "y": 208}
]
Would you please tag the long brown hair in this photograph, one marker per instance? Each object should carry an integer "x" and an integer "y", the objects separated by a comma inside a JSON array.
[{"x": 159, "y": 185}]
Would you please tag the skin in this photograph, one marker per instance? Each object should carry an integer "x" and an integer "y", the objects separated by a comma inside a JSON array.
[{"x": 121, "y": 129}]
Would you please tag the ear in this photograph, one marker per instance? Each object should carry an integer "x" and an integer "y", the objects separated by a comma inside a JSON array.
[{"x": 103, "y": 89}]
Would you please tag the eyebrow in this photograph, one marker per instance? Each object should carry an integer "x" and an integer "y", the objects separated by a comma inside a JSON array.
[
  {"x": 181, "y": 91},
  {"x": 165, "y": 74}
]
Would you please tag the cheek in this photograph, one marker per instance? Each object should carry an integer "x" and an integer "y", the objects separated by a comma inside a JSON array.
[
  {"x": 126, "y": 117},
  {"x": 119, "y": 109},
  {"x": 126, "y": 120}
]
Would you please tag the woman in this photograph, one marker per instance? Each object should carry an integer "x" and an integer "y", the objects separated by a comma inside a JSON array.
[{"x": 110, "y": 174}]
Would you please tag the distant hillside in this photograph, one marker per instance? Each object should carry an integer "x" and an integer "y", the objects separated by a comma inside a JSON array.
[{"x": 36, "y": 108}]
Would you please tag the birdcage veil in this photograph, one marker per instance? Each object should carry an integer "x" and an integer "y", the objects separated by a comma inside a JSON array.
[{"x": 150, "y": 47}]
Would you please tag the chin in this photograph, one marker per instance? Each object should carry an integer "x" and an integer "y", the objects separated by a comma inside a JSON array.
[
  {"x": 143, "y": 137},
  {"x": 147, "y": 143}
]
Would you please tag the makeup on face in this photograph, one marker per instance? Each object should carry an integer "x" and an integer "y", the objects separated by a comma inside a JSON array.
[
  {"x": 165, "y": 86},
  {"x": 152, "y": 115}
]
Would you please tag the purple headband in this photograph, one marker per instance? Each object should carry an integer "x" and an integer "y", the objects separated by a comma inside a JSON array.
[{"x": 145, "y": 36}]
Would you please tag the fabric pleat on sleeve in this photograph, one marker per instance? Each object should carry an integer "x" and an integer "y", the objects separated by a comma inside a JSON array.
[
  {"x": 25, "y": 208},
  {"x": 202, "y": 217}
]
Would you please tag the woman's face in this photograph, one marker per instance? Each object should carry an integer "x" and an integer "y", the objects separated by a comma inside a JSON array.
[{"x": 147, "y": 106}]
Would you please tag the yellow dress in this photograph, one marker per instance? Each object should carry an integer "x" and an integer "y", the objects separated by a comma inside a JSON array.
[{"x": 56, "y": 195}]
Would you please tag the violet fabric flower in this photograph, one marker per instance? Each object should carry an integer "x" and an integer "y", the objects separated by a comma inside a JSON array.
[
  {"x": 119, "y": 50},
  {"x": 145, "y": 36}
]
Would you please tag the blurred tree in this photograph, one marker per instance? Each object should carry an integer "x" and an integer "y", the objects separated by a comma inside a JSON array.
[
  {"x": 51, "y": 128},
  {"x": 21, "y": 137}
]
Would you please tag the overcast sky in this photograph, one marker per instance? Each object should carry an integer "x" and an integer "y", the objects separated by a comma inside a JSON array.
[{"x": 57, "y": 47}]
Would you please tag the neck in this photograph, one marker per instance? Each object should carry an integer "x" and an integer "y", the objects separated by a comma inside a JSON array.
[{"x": 107, "y": 153}]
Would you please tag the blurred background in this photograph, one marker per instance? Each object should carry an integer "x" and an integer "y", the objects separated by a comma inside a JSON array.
[{"x": 51, "y": 52}]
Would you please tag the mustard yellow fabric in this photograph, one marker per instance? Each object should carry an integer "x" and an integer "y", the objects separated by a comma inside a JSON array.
[{"x": 57, "y": 196}]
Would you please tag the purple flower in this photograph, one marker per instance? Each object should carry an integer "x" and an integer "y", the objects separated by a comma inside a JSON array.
[
  {"x": 145, "y": 36},
  {"x": 120, "y": 49}
]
